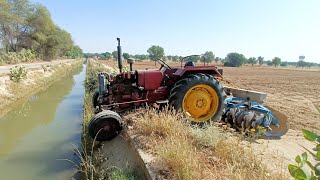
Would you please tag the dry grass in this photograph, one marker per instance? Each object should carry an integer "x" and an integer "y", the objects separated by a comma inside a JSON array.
[{"x": 186, "y": 152}]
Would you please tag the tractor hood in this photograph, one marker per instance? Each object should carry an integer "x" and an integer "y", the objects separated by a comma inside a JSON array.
[{"x": 149, "y": 79}]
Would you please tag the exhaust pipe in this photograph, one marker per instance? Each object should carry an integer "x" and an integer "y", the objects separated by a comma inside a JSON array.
[{"x": 119, "y": 55}]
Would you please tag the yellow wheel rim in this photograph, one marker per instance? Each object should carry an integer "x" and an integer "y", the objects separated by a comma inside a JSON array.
[{"x": 200, "y": 103}]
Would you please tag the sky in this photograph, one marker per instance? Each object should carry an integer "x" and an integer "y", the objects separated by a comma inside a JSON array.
[{"x": 269, "y": 28}]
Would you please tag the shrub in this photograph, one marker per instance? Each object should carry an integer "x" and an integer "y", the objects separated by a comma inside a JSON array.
[
  {"x": 25, "y": 55},
  {"x": 298, "y": 171},
  {"x": 17, "y": 73}
]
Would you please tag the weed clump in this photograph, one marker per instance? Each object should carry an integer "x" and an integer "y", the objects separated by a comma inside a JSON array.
[{"x": 18, "y": 73}]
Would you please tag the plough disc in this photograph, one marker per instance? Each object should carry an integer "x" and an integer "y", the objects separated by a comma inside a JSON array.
[
  {"x": 254, "y": 117},
  {"x": 283, "y": 127}
]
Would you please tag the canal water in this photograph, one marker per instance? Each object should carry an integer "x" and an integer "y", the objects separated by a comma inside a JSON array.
[{"x": 35, "y": 136}]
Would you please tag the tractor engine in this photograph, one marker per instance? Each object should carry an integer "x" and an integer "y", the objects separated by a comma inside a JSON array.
[{"x": 130, "y": 89}]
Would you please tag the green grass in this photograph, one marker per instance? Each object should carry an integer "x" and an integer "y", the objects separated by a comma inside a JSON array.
[{"x": 118, "y": 174}]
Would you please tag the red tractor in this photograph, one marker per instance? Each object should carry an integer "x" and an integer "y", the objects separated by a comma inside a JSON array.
[{"x": 195, "y": 90}]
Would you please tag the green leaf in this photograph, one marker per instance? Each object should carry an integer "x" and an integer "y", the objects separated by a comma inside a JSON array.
[
  {"x": 309, "y": 135},
  {"x": 313, "y": 154},
  {"x": 292, "y": 168},
  {"x": 310, "y": 165},
  {"x": 304, "y": 157},
  {"x": 318, "y": 147},
  {"x": 298, "y": 159},
  {"x": 313, "y": 177},
  {"x": 317, "y": 169},
  {"x": 296, "y": 172}
]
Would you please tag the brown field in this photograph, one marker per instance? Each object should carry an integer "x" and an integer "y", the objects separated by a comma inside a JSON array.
[{"x": 293, "y": 92}]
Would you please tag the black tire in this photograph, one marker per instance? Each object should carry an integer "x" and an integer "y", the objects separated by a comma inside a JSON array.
[
  {"x": 95, "y": 97},
  {"x": 109, "y": 124},
  {"x": 182, "y": 86}
]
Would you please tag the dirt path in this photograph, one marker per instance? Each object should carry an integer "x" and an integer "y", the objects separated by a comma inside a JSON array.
[{"x": 6, "y": 68}]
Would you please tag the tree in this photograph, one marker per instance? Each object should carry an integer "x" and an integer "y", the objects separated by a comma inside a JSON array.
[
  {"x": 126, "y": 55},
  {"x": 269, "y": 63},
  {"x": 107, "y": 55},
  {"x": 115, "y": 55},
  {"x": 276, "y": 61},
  {"x": 252, "y": 61},
  {"x": 141, "y": 56},
  {"x": 191, "y": 58},
  {"x": 217, "y": 59},
  {"x": 260, "y": 60},
  {"x": 284, "y": 64},
  {"x": 74, "y": 52},
  {"x": 13, "y": 23},
  {"x": 301, "y": 64},
  {"x": 24, "y": 25},
  {"x": 175, "y": 58},
  {"x": 234, "y": 60},
  {"x": 155, "y": 52},
  {"x": 208, "y": 57}
]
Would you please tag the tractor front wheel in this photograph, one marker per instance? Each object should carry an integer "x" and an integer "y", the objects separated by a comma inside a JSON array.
[
  {"x": 199, "y": 96},
  {"x": 105, "y": 125}
]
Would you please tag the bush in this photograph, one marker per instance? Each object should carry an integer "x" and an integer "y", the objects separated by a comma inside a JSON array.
[
  {"x": 25, "y": 55},
  {"x": 297, "y": 171},
  {"x": 17, "y": 73}
]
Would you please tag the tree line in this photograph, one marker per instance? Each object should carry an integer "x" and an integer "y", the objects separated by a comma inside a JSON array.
[
  {"x": 232, "y": 59},
  {"x": 28, "y": 26}
]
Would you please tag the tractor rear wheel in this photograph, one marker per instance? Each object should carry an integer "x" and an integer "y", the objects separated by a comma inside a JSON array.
[
  {"x": 105, "y": 125},
  {"x": 199, "y": 96}
]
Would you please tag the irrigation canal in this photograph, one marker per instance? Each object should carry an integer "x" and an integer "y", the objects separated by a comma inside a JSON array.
[{"x": 39, "y": 132}]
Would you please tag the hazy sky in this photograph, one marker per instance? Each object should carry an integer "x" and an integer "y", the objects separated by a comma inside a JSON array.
[{"x": 283, "y": 28}]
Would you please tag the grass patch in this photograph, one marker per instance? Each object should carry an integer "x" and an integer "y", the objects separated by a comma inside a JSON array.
[
  {"x": 118, "y": 174},
  {"x": 187, "y": 152}
]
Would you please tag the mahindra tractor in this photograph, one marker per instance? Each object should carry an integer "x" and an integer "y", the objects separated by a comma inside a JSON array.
[{"x": 196, "y": 91}]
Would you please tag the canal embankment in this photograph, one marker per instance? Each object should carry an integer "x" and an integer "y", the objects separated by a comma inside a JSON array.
[
  {"x": 20, "y": 83},
  {"x": 39, "y": 137}
]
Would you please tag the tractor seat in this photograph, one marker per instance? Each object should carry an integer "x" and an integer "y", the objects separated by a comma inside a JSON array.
[{"x": 189, "y": 63}]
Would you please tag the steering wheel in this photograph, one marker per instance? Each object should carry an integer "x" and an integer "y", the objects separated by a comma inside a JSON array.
[{"x": 160, "y": 61}]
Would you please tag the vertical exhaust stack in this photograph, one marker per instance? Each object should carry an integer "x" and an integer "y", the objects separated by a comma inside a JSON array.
[{"x": 119, "y": 55}]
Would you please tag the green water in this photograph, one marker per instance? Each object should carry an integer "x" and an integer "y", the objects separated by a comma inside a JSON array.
[{"x": 36, "y": 134}]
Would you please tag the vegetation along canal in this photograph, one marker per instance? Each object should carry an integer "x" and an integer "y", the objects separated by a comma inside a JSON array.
[{"x": 35, "y": 136}]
